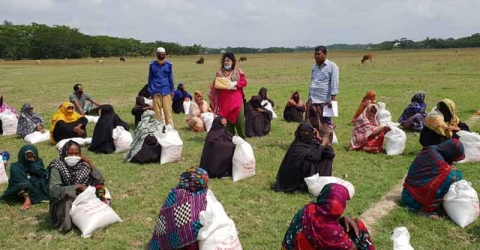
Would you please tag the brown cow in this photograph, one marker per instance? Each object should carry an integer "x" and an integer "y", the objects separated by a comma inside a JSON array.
[
  {"x": 201, "y": 61},
  {"x": 367, "y": 57},
  {"x": 243, "y": 58}
]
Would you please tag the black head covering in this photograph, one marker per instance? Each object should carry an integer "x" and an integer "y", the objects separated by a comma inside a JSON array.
[
  {"x": 304, "y": 132},
  {"x": 144, "y": 92},
  {"x": 263, "y": 93},
  {"x": 102, "y": 140},
  {"x": 418, "y": 98},
  {"x": 256, "y": 101},
  {"x": 1, "y": 100}
]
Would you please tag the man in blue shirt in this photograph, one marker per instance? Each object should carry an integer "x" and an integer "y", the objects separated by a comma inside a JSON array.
[
  {"x": 324, "y": 88},
  {"x": 161, "y": 87}
]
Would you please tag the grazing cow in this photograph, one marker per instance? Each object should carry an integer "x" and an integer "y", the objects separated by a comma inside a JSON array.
[
  {"x": 367, "y": 57},
  {"x": 201, "y": 61},
  {"x": 122, "y": 59},
  {"x": 39, "y": 62},
  {"x": 457, "y": 50},
  {"x": 99, "y": 61},
  {"x": 243, "y": 58}
]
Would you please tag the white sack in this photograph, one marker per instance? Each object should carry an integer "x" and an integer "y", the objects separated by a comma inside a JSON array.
[
  {"x": 3, "y": 172},
  {"x": 208, "y": 120},
  {"x": 90, "y": 214},
  {"x": 243, "y": 160},
  {"x": 396, "y": 140},
  {"x": 471, "y": 143},
  {"x": 461, "y": 203},
  {"x": 92, "y": 119},
  {"x": 9, "y": 122},
  {"x": 384, "y": 117},
  {"x": 268, "y": 106},
  {"x": 81, "y": 141},
  {"x": 315, "y": 184},
  {"x": 37, "y": 137},
  {"x": 171, "y": 144},
  {"x": 218, "y": 230},
  {"x": 334, "y": 139},
  {"x": 121, "y": 139},
  {"x": 186, "y": 107},
  {"x": 401, "y": 239}
]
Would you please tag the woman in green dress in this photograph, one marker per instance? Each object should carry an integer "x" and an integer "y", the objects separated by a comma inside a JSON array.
[{"x": 28, "y": 181}]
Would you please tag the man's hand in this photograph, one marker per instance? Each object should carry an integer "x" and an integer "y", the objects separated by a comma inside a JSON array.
[{"x": 172, "y": 94}]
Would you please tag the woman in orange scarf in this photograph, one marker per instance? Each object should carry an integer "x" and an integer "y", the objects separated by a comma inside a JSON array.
[
  {"x": 66, "y": 123},
  {"x": 369, "y": 98}
]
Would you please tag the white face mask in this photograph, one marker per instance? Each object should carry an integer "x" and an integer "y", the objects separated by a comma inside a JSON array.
[
  {"x": 72, "y": 160},
  {"x": 227, "y": 67}
]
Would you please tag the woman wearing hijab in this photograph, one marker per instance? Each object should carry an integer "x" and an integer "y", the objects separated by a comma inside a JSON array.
[
  {"x": 430, "y": 176},
  {"x": 139, "y": 108},
  {"x": 294, "y": 109},
  {"x": 29, "y": 121},
  {"x": 197, "y": 108},
  {"x": 190, "y": 192},
  {"x": 66, "y": 123},
  {"x": 102, "y": 141},
  {"x": 413, "y": 116},
  {"x": 263, "y": 94},
  {"x": 179, "y": 96},
  {"x": 367, "y": 134},
  {"x": 308, "y": 155},
  {"x": 257, "y": 118},
  {"x": 28, "y": 181},
  {"x": 145, "y": 147},
  {"x": 369, "y": 98},
  {"x": 69, "y": 176},
  {"x": 229, "y": 102},
  {"x": 441, "y": 124},
  {"x": 218, "y": 150},
  {"x": 320, "y": 225}
]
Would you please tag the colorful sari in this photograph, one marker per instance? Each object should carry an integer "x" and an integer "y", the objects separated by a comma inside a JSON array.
[
  {"x": 4, "y": 107},
  {"x": 431, "y": 175},
  {"x": 365, "y": 126},
  {"x": 178, "y": 221},
  {"x": 318, "y": 226},
  {"x": 368, "y": 99}
]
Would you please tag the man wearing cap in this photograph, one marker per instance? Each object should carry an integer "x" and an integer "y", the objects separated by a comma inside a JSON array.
[{"x": 161, "y": 86}]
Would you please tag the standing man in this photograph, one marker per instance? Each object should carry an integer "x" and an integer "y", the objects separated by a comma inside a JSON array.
[
  {"x": 323, "y": 90},
  {"x": 160, "y": 86},
  {"x": 83, "y": 102}
]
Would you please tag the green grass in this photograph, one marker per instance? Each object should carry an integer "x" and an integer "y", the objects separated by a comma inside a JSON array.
[{"x": 261, "y": 215}]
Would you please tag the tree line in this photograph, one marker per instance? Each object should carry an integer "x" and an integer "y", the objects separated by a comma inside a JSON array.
[{"x": 39, "y": 41}]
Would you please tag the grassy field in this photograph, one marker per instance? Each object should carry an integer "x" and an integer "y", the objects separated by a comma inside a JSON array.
[{"x": 261, "y": 215}]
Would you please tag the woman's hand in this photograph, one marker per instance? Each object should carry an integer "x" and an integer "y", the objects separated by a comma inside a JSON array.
[
  {"x": 453, "y": 128},
  {"x": 78, "y": 130},
  {"x": 80, "y": 187},
  {"x": 349, "y": 224},
  {"x": 86, "y": 160}
]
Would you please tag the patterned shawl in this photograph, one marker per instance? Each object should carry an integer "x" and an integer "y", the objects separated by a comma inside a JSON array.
[
  {"x": 417, "y": 106},
  {"x": 178, "y": 221},
  {"x": 198, "y": 107},
  {"x": 365, "y": 125},
  {"x": 148, "y": 125},
  {"x": 78, "y": 174},
  {"x": 316, "y": 226},
  {"x": 28, "y": 121},
  {"x": 435, "y": 120},
  {"x": 4, "y": 107},
  {"x": 369, "y": 98},
  {"x": 430, "y": 169}
]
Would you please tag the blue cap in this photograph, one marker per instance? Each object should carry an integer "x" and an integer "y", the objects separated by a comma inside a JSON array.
[{"x": 5, "y": 155}]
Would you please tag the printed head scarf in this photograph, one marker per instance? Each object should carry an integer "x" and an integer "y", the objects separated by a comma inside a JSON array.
[
  {"x": 368, "y": 99},
  {"x": 195, "y": 179},
  {"x": 443, "y": 116}
]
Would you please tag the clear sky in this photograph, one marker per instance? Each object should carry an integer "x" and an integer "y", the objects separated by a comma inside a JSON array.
[{"x": 254, "y": 23}]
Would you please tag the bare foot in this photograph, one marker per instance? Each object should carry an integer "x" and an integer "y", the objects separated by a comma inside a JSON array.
[
  {"x": 27, "y": 204},
  {"x": 435, "y": 217}
]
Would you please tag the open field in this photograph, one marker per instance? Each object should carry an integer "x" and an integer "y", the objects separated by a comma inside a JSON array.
[{"x": 261, "y": 215}]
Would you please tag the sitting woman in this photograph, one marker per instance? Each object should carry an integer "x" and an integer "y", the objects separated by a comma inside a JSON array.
[
  {"x": 191, "y": 191},
  {"x": 367, "y": 134},
  {"x": 263, "y": 94},
  {"x": 69, "y": 176},
  {"x": 257, "y": 118},
  {"x": 139, "y": 108},
  {"x": 218, "y": 150},
  {"x": 66, "y": 123},
  {"x": 369, "y": 98},
  {"x": 28, "y": 181},
  {"x": 441, "y": 124},
  {"x": 197, "y": 108},
  {"x": 430, "y": 176},
  {"x": 145, "y": 147},
  {"x": 308, "y": 155},
  {"x": 295, "y": 109},
  {"x": 320, "y": 225},
  {"x": 29, "y": 121},
  {"x": 179, "y": 96},
  {"x": 413, "y": 116},
  {"x": 102, "y": 141}
]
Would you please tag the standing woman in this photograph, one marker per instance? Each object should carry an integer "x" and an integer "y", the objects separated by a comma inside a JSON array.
[{"x": 227, "y": 99}]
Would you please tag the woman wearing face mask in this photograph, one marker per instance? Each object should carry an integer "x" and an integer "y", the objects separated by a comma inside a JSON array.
[
  {"x": 229, "y": 102},
  {"x": 294, "y": 109},
  {"x": 28, "y": 181},
  {"x": 66, "y": 123},
  {"x": 29, "y": 121},
  {"x": 69, "y": 176}
]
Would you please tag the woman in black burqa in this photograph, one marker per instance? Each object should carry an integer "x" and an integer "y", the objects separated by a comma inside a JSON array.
[
  {"x": 257, "y": 118},
  {"x": 218, "y": 150},
  {"x": 102, "y": 141},
  {"x": 308, "y": 155}
]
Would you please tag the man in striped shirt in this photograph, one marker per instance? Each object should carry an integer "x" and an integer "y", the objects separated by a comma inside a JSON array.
[{"x": 323, "y": 90}]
